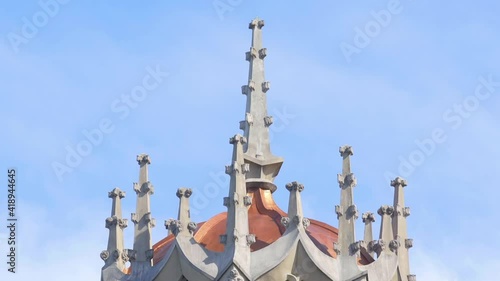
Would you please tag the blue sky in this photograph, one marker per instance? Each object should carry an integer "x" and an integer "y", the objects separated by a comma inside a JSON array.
[{"x": 418, "y": 74}]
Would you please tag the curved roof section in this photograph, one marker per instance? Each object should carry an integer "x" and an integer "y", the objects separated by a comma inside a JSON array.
[{"x": 265, "y": 222}]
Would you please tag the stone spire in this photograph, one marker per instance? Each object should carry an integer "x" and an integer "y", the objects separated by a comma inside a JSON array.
[
  {"x": 264, "y": 165},
  {"x": 295, "y": 213},
  {"x": 368, "y": 219},
  {"x": 400, "y": 229},
  {"x": 143, "y": 221},
  {"x": 183, "y": 225},
  {"x": 347, "y": 214},
  {"x": 237, "y": 237},
  {"x": 115, "y": 223}
]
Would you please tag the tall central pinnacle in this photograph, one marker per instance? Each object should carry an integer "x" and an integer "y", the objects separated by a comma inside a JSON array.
[{"x": 264, "y": 166}]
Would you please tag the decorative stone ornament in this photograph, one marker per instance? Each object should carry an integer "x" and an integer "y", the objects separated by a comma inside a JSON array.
[
  {"x": 186, "y": 192},
  {"x": 143, "y": 159},
  {"x": 353, "y": 212},
  {"x": 104, "y": 255},
  {"x": 266, "y": 86},
  {"x": 339, "y": 211},
  {"x": 262, "y": 53},
  {"x": 174, "y": 225},
  {"x": 399, "y": 182},
  {"x": 298, "y": 253},
  {"x": 116, "y": 193},
  {"x": 386, "y": 210},
  {"x": 408, "y": 243},
  {"x": 394, "y": 245},
  {"x": 295, "y": 186},
  {"x": 149, "y": 254},
  {"x": 131, "y": 254},
  {"x": 406, "y": 212},
  {"x": 368, "y": 217},
  {"x": 306, "y": 223},
  {"x": 268, "y": 120},
  {"x": 192, "y": 227},
  {"x": 234, "y": 275},
  {"x": 285, "y": 221},
  {"x": 379, "y": 246},
  {"x": 336, "y": 247},
  {"x": 356, "y": 247}
]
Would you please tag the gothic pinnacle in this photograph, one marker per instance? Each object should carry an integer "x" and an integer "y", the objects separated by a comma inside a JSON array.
[
  {"x": 115, "y": 223},
  {"x": 265, "y": 166},
  {"x": 401, "y": 212},
  {"x": 143, "y": 221},
  {"x": 347, "y": 213},
  {"x": 295, "y": 213},
  {"x": 368, "y": 219},
  {"x": 237, "y": 228},
  {"x": 183, "y": 224}
]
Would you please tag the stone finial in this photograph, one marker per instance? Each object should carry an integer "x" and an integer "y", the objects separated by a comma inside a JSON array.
[
  {"x": 412, "y": 277},
  {"x": 385, "y": 210},
  {"x": 346, "y": 150},
  {"x": 368, "y": 217},
  {"x": 398, "y": 181},
  {"x": 143, "y": 159},
  {"x": 184, "y": 192},
  {"x": 116, "y": 192},
  {"x": 294, "y": 186},
  {"x": 256, "y": 23}
]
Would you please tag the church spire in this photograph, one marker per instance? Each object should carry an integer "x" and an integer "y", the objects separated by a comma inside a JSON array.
[
  {"x": 183, "y": 224},
  {"x": 368, "y": 219},
  {"x": 143, "y": 222},
  {"x": 264, "y": 165},
  {"x": 347, "y": 213},
  {"x": 237, "y": 228},
  {"x": 400, "y": 229},
  {"x": 295, "y": 212},
  {"x": 238, "y": 239},
  {"x": 115, "y": 223}
]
